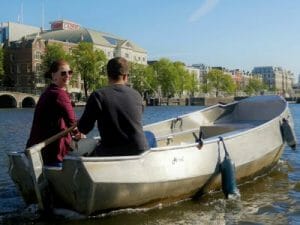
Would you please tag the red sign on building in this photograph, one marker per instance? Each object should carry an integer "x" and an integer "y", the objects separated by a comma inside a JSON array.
[{"x": 64, "y": 25}]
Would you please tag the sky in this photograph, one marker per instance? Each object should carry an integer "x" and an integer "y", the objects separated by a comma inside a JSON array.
[{"x": 235, "y": 34}]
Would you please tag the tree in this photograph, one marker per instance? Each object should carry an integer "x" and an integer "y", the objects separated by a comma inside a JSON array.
[
  {"x": 228, "y": 84},
  {"x": 137, "y": 76},
  {"x": 167, "y": 77},
  {"x": 90, "y": 64},
  {"x": 255, "y": 85},
  {"x": 192, "y": 84},
  {"x": 218, "y": 81},
  {"x": 54, "y": 52},
  {"x": 181, "y": 77},
  {"x": 150, "y": 81},
  {"x": 205, "y": 86}
]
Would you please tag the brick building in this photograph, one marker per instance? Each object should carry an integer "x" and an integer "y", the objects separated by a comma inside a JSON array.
[{"x": 24, "y": 50}]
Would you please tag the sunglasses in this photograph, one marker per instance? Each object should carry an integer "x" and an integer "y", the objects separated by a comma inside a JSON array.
[{"x": 64, "y": 73}]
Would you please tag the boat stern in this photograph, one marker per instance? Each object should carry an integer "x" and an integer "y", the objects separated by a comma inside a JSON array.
[{"x": 19, "y": 171}]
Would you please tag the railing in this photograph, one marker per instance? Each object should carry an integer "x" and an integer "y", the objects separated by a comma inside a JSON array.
[{"x": 21, "y": 90}]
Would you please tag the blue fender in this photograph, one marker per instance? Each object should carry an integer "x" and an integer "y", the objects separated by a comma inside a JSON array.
[
  {"x": 229, "y": 186},
  {"x": 288, "y": 134},
  {"x": 228, "y": 177}
]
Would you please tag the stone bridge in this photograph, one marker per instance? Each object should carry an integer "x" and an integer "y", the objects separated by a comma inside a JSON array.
[{"x": 17, "y": 99}]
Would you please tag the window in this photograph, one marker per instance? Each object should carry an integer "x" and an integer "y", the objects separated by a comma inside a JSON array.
[
  {"x": 18, "y": 68},
  {"x": 12, "y": 57},
  {"x": 38, "y": 55},
  {"x": 126, "y": 55},
  {"x": 38, "y": 67},
  {"x": 28, "y": 69}
]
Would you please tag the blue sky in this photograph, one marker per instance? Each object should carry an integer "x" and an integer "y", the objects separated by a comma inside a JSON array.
[{"x": 230, "y": 33}]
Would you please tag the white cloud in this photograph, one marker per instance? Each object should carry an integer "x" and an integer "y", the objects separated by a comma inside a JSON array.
[{"x": 206, "y": 7}]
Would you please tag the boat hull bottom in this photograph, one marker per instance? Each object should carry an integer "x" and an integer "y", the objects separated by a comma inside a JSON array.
[{"x": 93, "y": 197}]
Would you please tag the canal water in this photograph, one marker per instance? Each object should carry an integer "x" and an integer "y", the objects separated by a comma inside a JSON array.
[{"x": 270, "y": 199}]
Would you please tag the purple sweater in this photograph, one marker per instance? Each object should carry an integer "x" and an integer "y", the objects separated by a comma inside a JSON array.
[{"x": 53, "y": 113}]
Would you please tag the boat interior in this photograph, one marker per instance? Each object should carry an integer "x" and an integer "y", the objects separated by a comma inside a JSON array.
[
  {"x": 204, "y": 132},
  {"x": 210, "y": 123},
  {"x": 219, "y": 120},
  {"x": 184, "y": 130}
]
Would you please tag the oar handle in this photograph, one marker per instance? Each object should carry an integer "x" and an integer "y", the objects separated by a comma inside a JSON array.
[{"x": 39, "y": 146}]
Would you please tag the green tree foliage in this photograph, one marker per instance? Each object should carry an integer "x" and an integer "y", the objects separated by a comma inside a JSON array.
[
  {"x": 254, "y": 86},
  {"x": 170, "y": 79},
  {"x": 186, "y": 82},
  {"x": 90, "y": 64},
  {"x": 166, "y": 76},
  {"x": 229, "y": 86},
  {"x": 181, "y": 77},
  {"x": 151, "y": 83},
  {"x": 54, "y": 52},
  {"x": 205, "y": 86},
  {"x": 192, "y": 84},
  {"x": 137, "y": 76},
  {"x": 7, "y": 80},
  {"x": 219, "y": 81}
]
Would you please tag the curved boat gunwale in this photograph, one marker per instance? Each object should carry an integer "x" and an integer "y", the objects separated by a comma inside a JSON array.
[{"x": 228, "y": 136}]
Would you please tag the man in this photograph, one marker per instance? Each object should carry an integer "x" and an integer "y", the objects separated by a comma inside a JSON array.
[{"x": 118, "y": 110}]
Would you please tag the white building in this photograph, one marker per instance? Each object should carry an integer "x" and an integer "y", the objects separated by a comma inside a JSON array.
[{"x": 276, "y": 78}]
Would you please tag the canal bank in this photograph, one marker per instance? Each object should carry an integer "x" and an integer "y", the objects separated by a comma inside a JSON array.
[{"x": 194, "y": 101}]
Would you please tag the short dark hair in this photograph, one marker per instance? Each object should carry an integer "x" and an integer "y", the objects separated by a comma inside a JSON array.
[
  {"x": 117, "y": 66},
  {"x": 54, "y": 67}
]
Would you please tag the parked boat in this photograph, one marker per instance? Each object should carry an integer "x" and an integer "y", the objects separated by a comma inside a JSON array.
[{"x": 185, "y": 162}]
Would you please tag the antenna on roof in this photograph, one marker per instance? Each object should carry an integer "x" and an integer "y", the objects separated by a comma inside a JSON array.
[
  {"x": 43, "y": 14},
  {"x": 21, "y": 12}
]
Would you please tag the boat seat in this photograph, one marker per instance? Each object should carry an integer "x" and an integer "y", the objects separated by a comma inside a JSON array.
[
  {"x": 177, "y": 138},
  {"x": 83, "y": 147},
  {"x": 219, "y": 129},
  {"x": 188, "y": 136}
]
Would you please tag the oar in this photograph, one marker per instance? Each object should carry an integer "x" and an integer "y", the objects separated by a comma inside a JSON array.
[{"x": 36, "y": 166}]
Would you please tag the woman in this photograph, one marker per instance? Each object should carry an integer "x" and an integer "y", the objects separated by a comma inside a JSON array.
[{"x": 54, "y": 113}]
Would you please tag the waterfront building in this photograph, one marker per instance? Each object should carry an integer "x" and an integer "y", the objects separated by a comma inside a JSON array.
[
  {"x": 203, "y": 70},
  {"x": 10, "y": 31},
  {"x": 24, "y": 59},
  {"x": 195, "y": 72},
  {"x": 276, "y": 78},
  {"x": 238, "y": 75}
]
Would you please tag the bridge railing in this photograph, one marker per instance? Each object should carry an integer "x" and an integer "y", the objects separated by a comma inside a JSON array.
[{"x": 21, "y": 90}]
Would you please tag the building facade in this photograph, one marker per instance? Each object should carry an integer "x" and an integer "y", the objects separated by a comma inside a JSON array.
[
  {"x": 10, "y": 31},
  {"x": 24, "y": 52},
  {"x": 276, "y": 78}
]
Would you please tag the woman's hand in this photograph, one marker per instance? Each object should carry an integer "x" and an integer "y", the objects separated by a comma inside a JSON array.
[{"x": 76, "y": 135}]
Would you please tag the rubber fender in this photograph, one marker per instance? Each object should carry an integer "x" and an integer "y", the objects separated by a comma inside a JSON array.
[
  {"x": 288, "y": 134},
  {"x": 229, "y": 186},
  {"x": 151, "y": 139}
]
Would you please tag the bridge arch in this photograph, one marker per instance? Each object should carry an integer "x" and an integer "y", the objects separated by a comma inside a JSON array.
[
  {"x": 8, "y": 101},
  {"x": 17, "y": 99},
  {"x": 28, "y": 102}
]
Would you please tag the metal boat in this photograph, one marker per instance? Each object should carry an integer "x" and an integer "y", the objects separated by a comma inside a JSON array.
[{"x": 186, "y": 160}]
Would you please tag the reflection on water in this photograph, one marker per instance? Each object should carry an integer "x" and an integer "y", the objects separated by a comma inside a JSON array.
[{"x": 270, "y": 199}]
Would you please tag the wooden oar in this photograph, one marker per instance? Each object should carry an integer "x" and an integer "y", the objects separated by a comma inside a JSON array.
[{"x": 36, "y": 165}]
